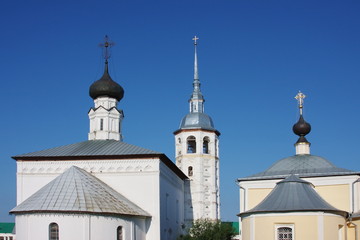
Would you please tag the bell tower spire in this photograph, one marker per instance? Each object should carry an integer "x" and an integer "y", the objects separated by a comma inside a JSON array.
[
  {"x": 196, "y": 73},
  {"x": 197, "y": 155},
  {"x": 196, "y": 100}
]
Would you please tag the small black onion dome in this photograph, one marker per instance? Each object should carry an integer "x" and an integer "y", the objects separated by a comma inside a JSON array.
[
  {"x": 301, "y": 128},
  {"x": 105, "y": 86}
]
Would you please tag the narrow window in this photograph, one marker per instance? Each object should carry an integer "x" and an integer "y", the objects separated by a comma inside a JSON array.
[
  {"x": 191, "y": 144},
  {"x": 167, "y": 206},
  {"x": 284, "y": 233},
  {"x": 119, "y": 233},
  {"x": 190, "y": 171},
  {"x": 53, "y": 231},
  {"x": 101, "y": 124},
  {"x": 177, "y": 211},
  {"x": 206, "y": 141}
]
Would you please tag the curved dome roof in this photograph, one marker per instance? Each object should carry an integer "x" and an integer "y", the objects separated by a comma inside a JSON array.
[
  {"x": 105, "y": 86},
  {"x": 197, "y": 120},
  {"x": 302, "y": 164},
  {"x": 301, "y": 128}
]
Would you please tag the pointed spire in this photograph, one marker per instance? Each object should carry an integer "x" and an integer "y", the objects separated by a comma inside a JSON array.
[
  {"x": 197, "y": 99},
  {"x": 301, "y": 128},
  {"x": 196, "y": 73}
]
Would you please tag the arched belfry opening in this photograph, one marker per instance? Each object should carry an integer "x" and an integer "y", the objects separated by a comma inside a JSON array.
[
  {"x": 206, "y": 142},
  {"x": 191, "y": 144}
]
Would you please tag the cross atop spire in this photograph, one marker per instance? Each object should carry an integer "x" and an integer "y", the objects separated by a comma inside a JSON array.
[
  {"x": 300, "y": 98},
  {"x": 106, "y": 45},
  {"x": 196, "y": 100},
  {"x": 195, "y": 40}
]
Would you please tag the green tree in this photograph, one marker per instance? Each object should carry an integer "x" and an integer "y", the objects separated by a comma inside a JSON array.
[{"x": 204, "y": 229}]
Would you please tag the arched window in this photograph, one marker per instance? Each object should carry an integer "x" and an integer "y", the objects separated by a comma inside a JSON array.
[
  {"x": 206, "y": 141},
  {"x": 190, "y": 171},
  {"x": 53, "y": 231},
  {"x": 119, "y": 233},
  {"x": 191, "y": 144},
  {"x": 284, "y": 233}
]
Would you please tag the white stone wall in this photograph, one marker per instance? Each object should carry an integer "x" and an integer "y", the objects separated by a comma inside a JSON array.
[
  {"x": 203, "y": 198},
  {"x": 79, "y": 227},
  {"x": 139, "y": 180},
  {"x": 105, "y": 120},
  {"x": 171, "y": 204}
]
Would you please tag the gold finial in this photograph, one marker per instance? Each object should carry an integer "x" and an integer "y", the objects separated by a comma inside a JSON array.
[
  {"x": 300, "y": 98},
  {"x": 107, "y": 43},
  {"x": 195, "y": 39}
]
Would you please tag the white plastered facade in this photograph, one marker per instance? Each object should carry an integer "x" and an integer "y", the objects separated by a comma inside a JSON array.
[
  {"x": 202, "y": 199},
  {"x": 79, "y": 226},
  {"x": 148, "y": 183},
  {"x": 105, "y": 119}
]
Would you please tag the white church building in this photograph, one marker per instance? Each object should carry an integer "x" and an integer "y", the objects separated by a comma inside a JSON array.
[{"x": 105, "y": 188}]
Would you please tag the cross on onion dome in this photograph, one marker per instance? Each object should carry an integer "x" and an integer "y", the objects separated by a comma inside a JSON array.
[
  {"x": 106, "y": 45},
  {"x": 300, "y": 98}
]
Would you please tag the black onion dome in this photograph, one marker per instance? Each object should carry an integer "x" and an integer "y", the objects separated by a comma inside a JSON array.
[
  {"x": 105, "y": 86},
  {"x": 301, "y": 128}
]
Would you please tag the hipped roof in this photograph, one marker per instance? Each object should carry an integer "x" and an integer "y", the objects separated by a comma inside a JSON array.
[
  {"x": 293, "y": 195},
  {"x": 77, "y": 191}
]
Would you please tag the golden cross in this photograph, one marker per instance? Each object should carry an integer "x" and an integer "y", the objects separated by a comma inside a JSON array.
[
  {"x": 195, "y": 39},
  {"x": 300, "y": 98}
]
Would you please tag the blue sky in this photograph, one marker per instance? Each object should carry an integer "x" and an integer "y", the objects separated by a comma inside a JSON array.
[{"x": 254, "y": 56}]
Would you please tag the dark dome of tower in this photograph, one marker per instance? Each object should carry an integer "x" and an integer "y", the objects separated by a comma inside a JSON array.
[
  {"x": 301, "y": 128},
  {"x": 105, "y": 86}
]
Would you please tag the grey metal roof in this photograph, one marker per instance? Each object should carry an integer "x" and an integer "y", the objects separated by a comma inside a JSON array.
[
  {"x": 90, "y": 148},
  {"x": 291, "y": 195},
  {"x": 78, "y": 191},
  {"x": 196, "y": 120},
  {"x": 98, "y": 149},
  {"x": 303, "y": 165}
]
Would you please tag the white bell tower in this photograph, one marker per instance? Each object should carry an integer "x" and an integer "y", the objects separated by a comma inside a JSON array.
[{"x": 197, "y": 155}]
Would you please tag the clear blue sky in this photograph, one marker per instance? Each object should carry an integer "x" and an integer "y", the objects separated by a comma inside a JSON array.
[{"x": 254, "y": 56}]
